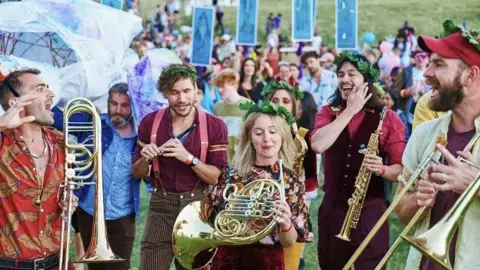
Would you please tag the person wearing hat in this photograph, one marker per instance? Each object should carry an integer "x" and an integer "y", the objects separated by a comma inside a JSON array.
[{"x": 454, "y": 76}]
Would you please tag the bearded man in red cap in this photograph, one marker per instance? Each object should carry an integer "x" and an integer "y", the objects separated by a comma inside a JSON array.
[{"x": 454, "y": 75}]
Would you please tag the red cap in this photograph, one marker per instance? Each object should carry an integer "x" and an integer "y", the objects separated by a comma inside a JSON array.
[{"x": 451, "y": 46}]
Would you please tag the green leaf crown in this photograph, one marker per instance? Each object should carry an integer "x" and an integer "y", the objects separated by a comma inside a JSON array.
[
  {"x": 181, "y": 70},
  {"x": 363, "y": 66},
  {"x": 272, "y": 87},
  {"x": 469, "y": 36},
  {"x": 266, "y": 107}
]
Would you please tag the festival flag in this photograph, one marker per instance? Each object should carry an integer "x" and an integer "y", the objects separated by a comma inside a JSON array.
[
  {"x": 202, "y": 38},
  {"x": 118, "y": 4},
  {"x": 302, "y": 20},
  {"x": 346, "y": 21},
  {"x": 247, "y": 22}
]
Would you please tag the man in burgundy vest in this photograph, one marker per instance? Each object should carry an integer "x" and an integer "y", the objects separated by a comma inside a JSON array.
[
  {"x": 455, "y": 79},
  {"x": 186, "y": 149},
  {"x": 341, "y": 134}
]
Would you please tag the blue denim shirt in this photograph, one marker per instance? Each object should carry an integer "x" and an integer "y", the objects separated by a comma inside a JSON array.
[
  {"x": 107, "y": 138},
  {"x": 324, "y": 90}
]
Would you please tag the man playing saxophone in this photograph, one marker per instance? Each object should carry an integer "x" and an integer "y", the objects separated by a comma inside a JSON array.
[
  {"x": 454, "y": 75},
  {"x": 341, "y": 134},
  {"x": 31, "y": 170}
]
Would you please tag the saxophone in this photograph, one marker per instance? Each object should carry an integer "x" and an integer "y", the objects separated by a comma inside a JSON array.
[
  {"x": 302, "y": 148},
  {"x": 355, "y": 203}
]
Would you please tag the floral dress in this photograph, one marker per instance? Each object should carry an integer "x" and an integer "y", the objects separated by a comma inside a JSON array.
[{"x": 267, "y": 253}]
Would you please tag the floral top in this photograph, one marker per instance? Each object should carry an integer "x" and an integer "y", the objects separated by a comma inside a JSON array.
[{"x": 294, "y": 193}]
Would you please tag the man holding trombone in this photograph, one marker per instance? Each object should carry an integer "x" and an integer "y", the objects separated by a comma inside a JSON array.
[
  {"x": 454, "y": 75},
  {"x": 31, "y": 171}
]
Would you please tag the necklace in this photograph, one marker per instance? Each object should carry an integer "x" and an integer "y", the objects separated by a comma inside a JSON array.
[
  {"x": 43, "y": 152},
  {"x": 24, "y": 137},
  {"x": 38, "y": 201}
]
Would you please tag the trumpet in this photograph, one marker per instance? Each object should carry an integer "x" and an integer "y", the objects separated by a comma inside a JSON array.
[
  {"x": 195, "y": 241},
  {"x": 420, "y": 242},
  {"x": 81, "y": 158}
]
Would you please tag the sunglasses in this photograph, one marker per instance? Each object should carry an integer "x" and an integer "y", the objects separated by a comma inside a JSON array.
[
  {"x": 421, "y": 56},
  {"x": 9, "y": 86}
]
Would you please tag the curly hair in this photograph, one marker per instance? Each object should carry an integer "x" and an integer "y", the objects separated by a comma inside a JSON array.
[{"x": 172, "y": 74}]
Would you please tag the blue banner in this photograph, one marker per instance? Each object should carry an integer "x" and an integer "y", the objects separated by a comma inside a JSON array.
[
  {"x": 302, "y": 20},
  {"x": 247, "y": 22},
  {"x": 118, "y": 4},
  {"x": 315, "y": 2},
  {"x": 346, "y": 37},
  {"x": 202, "y": 40}
]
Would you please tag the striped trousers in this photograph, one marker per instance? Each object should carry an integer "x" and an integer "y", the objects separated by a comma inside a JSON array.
[{"x": 157, "y": 252}]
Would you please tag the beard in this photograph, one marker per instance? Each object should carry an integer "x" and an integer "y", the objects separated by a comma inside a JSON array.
[
  {"x": 313, "y": 70},
  {"x": 449, "y": 94},
  {"x": 184, "y": 113},
  {"x": 120, "y": 121},
  {"x": 42, "y": 117}
]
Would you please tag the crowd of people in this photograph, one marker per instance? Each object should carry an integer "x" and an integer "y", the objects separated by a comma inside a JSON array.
[{"x": 304, "y": 123}]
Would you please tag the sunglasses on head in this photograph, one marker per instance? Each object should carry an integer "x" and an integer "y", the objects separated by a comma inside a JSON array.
[
  {"x": 4, "y": 81},
  {"x": 421, "y": 56}
]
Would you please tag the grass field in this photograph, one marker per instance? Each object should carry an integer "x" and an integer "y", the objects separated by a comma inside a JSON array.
[{"x": 384, "y": 16}]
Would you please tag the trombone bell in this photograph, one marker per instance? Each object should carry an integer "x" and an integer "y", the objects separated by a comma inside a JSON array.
[{"x": 434, "y": 243}]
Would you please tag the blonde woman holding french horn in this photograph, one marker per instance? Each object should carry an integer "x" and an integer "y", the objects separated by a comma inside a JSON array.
[{"x": 266, "y": 151}]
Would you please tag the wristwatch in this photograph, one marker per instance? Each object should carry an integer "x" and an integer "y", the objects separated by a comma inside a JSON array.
[{"x": 194, "y": 162}]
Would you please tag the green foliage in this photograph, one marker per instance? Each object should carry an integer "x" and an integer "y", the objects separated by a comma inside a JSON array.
[
  {"x": 273, "y": 86},
  {"x": 362, "y": 65},
  {"x": 469, "y": 36},
  {"x": 266, "y": 107},
  {"x": 185, "y": 71}
]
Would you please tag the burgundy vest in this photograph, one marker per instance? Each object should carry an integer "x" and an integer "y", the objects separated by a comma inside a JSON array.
[{"x": 342, "y": 162}]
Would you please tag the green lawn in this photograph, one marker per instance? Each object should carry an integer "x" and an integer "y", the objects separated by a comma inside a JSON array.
[
  {"x": 385, "y": 16},
  {"x": 396, "y": 263}
]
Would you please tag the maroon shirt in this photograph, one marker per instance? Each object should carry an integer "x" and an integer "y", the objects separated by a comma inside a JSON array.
[
  {"x": 343, "y": 160},
  {"x": 444, "y": 200},
  {"x": 392, "y": 139},
  {"x": 174, "y": 175}
]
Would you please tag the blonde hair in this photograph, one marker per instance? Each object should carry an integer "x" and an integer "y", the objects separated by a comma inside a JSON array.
[
  {"x": 245, "y": 157},
  {"x": 225, "y": 76}
]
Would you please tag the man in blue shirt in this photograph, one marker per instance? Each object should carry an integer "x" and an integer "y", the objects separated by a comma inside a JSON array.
[
  {"x": 121, "y": 191},
  {"x": 321, "y": 83}
]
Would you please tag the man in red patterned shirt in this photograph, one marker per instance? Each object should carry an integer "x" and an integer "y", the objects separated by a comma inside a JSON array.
[{"x": 31, "y": 170}]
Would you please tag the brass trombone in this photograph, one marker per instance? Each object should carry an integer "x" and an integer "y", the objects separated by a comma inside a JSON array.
[
  {"x": 420, "y": 242},
  {"x": 81, "y": 157},
  {"x": 435, "y": 243}
]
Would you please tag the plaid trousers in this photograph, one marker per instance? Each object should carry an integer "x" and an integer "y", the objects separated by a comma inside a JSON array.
[{"x": 156, "y": 250}]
